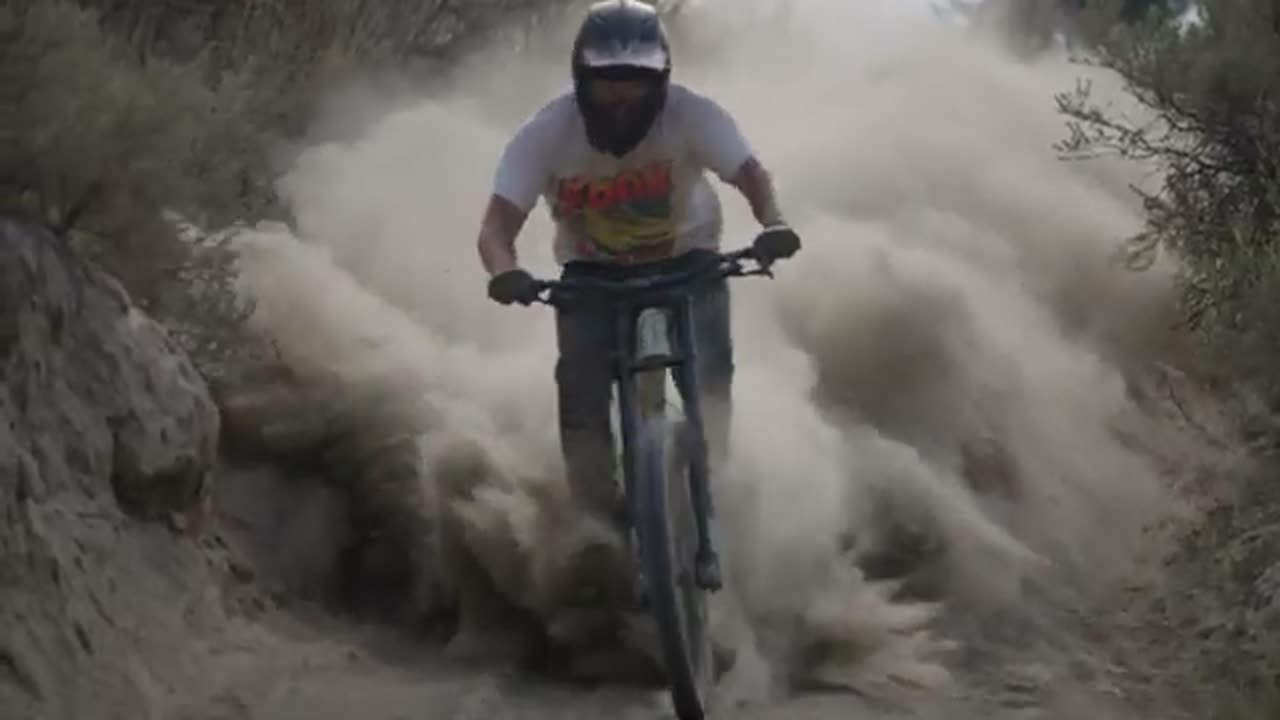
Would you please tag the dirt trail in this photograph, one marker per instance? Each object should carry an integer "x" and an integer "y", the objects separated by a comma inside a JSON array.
[{"x": 954, "y": 385}]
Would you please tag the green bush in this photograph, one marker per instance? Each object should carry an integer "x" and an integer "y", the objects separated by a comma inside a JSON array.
[{"x": 1211, "y": 89}]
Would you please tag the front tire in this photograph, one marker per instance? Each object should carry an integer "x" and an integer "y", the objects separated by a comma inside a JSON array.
[{"x": 667, "y": 534}]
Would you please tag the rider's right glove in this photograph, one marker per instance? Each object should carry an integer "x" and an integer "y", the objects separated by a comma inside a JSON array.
[
  {"x": 513, "y": 286},
  {"x": 775, "y": 243}
]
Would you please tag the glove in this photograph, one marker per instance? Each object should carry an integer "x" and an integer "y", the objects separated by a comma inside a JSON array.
[
  {"x": 513, "y": 286},
  {"x": 775, "y": 243}
]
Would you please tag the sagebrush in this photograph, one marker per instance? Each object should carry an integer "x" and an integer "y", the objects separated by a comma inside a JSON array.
[
  {"x": 1209, "y": 84},
  {"x": 1210, "y": 87},
  {"x": 122, "y": 122}
]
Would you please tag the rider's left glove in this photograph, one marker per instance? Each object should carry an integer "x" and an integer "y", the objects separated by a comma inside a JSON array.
[
  {"x": 513, "y": 286},
  {"x": 775, "y": 243}
]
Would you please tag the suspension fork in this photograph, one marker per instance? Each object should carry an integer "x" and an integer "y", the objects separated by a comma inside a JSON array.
[
  {"x": 628, "y": 417},
  {"x": 629, "y": 411},
  {"x": 694, "y": 436}
]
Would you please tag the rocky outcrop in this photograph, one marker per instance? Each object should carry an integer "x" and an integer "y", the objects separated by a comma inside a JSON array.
[
  {"x": 151, "y": 525},
  {"x": 93, "y": 389},
  {"x": 107, "y": 435},
  {"x": 125, "y": 579}
]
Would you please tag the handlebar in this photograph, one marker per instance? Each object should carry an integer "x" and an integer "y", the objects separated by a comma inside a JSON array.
[{"x": 718, "y": 265}]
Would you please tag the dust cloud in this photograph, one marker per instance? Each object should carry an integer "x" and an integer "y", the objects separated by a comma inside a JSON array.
[{"x": 934, "y": 414}]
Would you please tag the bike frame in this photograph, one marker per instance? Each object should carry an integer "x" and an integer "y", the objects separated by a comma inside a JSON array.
[
  {"x": 644, "y": 355},
  {"x": 644, "y": 350},
  {"x": 653, "y": 336}
]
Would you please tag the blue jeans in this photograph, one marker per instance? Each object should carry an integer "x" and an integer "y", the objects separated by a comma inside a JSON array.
[{"x": 584, "y": 379}]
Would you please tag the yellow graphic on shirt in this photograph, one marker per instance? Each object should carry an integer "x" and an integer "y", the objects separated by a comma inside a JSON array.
[{"x": 627, "y": 217}]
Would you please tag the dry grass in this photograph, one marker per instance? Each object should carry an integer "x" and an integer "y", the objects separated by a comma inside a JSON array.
[
  {"x": 123, "y": 120},
  {"x": 1214, "y": 622}
]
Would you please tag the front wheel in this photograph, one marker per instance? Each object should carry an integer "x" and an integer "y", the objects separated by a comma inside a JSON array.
[{"x": 667, "y": 535}]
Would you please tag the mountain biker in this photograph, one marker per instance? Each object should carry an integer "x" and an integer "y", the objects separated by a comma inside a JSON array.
[{"x": 620, "y": 161}]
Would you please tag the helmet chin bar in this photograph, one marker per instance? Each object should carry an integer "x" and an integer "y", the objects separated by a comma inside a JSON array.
[
  {"x": 608, "y": 136},
  {"x": 624, "y": 72}
]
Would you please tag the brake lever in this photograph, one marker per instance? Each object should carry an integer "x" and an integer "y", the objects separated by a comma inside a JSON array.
[
  {"x": 546, "y": 288},
  {"x": 762, "y": 268}
]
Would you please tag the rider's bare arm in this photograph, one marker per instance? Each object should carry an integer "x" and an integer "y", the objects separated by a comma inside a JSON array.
[
  {"x": 518, "y": 179},
  {"x": 718, "y": 141},
  {"x": 498, "y": 230},
  {"x": 755, "y": 184}
]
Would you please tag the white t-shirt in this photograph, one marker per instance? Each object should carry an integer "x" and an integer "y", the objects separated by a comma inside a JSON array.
[{"x": 652, "y": 203}]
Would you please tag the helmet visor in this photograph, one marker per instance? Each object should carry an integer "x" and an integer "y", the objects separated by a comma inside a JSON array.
[{"x": 639, "y": 55}]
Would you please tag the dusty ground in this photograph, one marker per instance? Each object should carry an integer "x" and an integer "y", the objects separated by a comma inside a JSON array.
[{"x": 953, "y": 388}]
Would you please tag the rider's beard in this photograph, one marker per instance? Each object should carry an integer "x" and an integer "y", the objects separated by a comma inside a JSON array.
[{"x": 619, "y": 127}]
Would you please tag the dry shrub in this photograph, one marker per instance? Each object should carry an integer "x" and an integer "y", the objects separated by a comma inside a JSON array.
[
  {"x": 1212, "y": 89},
  {"x": 124, "y": 123}
]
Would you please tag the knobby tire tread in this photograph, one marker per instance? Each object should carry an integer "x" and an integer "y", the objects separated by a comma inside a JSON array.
[{"x": 655, "y": 537}]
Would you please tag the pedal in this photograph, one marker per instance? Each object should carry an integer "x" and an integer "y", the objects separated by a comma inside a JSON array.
[{"x": 707, "y": 570}]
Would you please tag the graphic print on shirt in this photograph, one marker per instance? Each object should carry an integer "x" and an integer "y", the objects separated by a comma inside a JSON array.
[{"x": 627, "y": 216}]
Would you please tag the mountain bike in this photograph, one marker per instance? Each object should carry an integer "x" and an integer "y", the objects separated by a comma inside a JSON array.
[{"x": 666, "y": 472}]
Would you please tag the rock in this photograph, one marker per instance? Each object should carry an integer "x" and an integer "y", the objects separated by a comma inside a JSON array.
[
  {"x": 103, "y": 422},
  {"x": 95, "y": 390}
]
